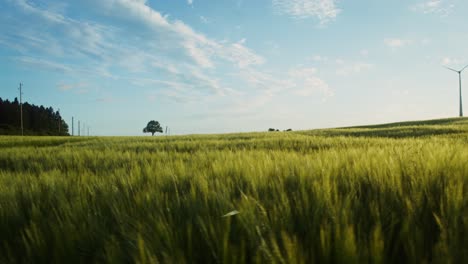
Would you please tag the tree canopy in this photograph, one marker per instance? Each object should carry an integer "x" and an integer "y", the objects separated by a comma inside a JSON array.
[
  {"x": 37, "y": 120},
  {"x": 153, "y": 127}
]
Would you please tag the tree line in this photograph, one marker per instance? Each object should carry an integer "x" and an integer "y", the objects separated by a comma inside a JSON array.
[{"x": 37, "y": 120}]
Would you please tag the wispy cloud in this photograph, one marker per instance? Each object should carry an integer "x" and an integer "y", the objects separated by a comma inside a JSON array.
[
  {"x": 204, "y": 20},
  {"x": 307, "y": 83},
  {"x": 78, "y": 38},
  {"x": 189, "y": 85},
  {"x": 346, "y": 69},
  {"x": 106, "y": 99},
  {"x": 104, "y": 51},
  {"x": 319, "y": 59},
  {"x": 203, "y": 50},
  {"x": 240, "y": 55},
  {"x": 77, "y": 88},
  {"x": 452, "y": 62},
  {"x": 439, "y": 7},
  {"x": 396, "y": 43},
  {"x": 65, "y": 87},
  {"x": 302, "y": 72},
  {"x": 48, "y": 15},
  {"x": 71, "y": 86},
  {"x": 44, "y": 64},
  {"x": 323, "y": 10},
  {"x": 185, "y": 65},
  {"x": 264, "y": 81},
  {"x": 303, "y": 81}
]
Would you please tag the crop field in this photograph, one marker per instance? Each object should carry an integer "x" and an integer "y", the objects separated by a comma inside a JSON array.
[{"x": 394, "y": 193}]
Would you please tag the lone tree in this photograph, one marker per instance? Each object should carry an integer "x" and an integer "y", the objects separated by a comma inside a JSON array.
[{"x": 153, "y": 127}]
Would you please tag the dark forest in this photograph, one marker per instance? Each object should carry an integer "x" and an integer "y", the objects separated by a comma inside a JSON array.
[{"x": 37, "y": 120}]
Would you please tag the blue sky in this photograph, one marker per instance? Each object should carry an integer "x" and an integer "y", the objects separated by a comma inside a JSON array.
[{"x": 206, "y": 66}]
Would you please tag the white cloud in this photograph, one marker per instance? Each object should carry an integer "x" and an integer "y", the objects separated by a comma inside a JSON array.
[
  {"x": 65, "y": 87},
  {"x": 204, "y": 20},
  {"x": 446, "y": 61},
  {"x": 44, "y": 64},
  {"x": 201, "y": 49},
  {"x": 166, "y": 65},
  {"x": 339, "y": 61},
  {"x": 239, "y": 54},
  {"x": 103, "y": 49},
  {"x": 78, "y": 87},
  {"x": 195, "y": 73},
  {"x": 190, "y": 2},
  {"x": 204, "y": 80},
  {"x": 71, "y": 37},
  {"x": 306, "y": 83},
  {"x": 395, "y": 43},
  {"x": 267, "y": 82},
  {"x": 453, "y": 62},
  {"x": 48, "y": 15},
  {"x": 302, "y": 72},
  {"x": 303, "y": 81},
  {"x": 353, "y": 68},
  {"x": 198, "y": 54},
  {"x": 106, "y": 99},
  {"x": 400, "y": 93},
  {"x": 343, "y": 67},
  {"x": 323, "y": 10},
  {"x": 70, "y": 86},
  {"x": 314, "y": 84},
  {"x": 425, "y": 42},
  {"x": 439, "y": 7},
  {"x": 319, "y": 58}
]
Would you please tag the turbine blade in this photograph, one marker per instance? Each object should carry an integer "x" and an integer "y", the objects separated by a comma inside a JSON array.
[
  {"x": 463, "y": 68},
  {"x": 451, "y": 69}
]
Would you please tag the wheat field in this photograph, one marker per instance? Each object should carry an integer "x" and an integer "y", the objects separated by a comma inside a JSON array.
[{"x": 376, "y": 194}]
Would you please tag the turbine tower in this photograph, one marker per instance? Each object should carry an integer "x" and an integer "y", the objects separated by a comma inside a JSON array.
[{"x": 459, "y": 80}]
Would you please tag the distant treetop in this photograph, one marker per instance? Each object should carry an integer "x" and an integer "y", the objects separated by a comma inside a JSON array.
[{"x": 153, "y": 127}]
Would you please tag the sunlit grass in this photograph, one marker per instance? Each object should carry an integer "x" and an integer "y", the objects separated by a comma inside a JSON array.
[{"x": 380, "y": 194}]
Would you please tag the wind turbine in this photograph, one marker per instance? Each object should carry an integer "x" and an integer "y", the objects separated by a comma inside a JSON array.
[{"x": 459, "y": 79}]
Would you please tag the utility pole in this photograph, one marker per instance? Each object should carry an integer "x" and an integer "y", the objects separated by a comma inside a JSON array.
[
  {"x": 88, "y": 131},
  {"x": 84, "y": 131},
  {"x": 78, "y": 127},
  {"x": 166, "y": 130},
  {"x": 460, "y": 92},
  {"x": 21, "y": 107},
  {"x": 59, "y": 120},
  {"x": 73, "y": 123}
]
